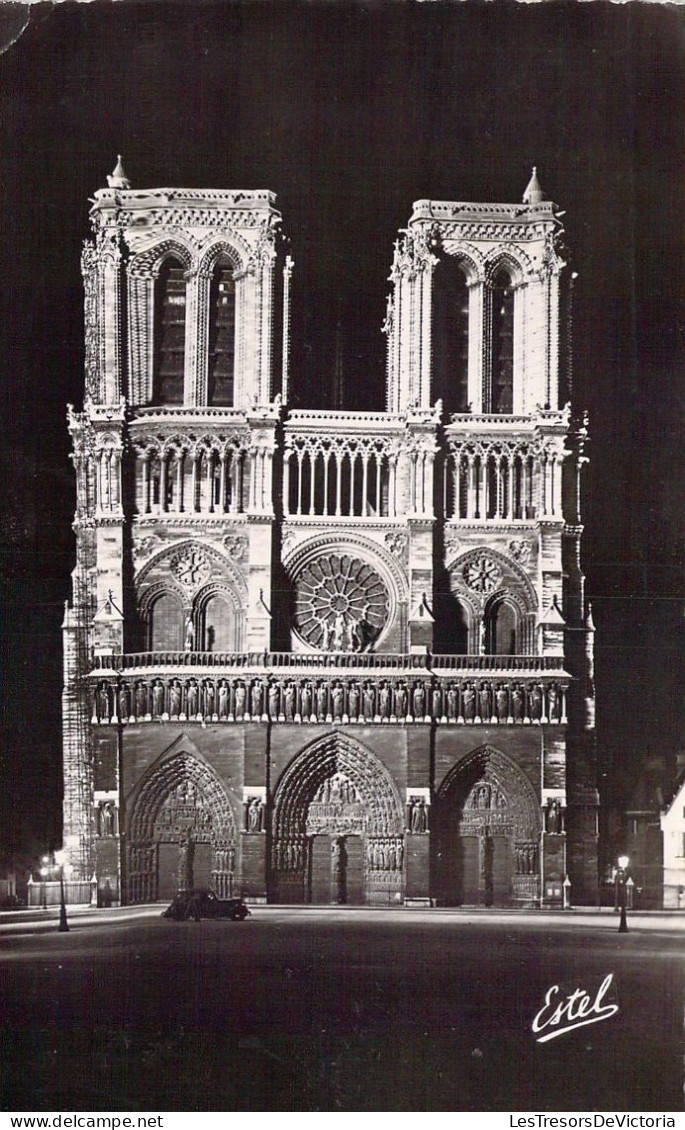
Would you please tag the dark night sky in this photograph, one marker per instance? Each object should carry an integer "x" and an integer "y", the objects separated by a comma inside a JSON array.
[{"x": 349, "y": 112}]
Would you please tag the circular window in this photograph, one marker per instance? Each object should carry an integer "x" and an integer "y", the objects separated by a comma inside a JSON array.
[{"x": 341, "y": 604}]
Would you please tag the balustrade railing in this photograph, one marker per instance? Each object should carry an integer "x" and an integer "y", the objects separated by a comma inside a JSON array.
[
  {"x": 343, "y": 695},
  {"x": 342, "y": 660}
]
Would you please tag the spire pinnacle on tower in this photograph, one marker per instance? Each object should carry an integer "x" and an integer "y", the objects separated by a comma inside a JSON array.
[
  {"x": 533, "y": 193},
  {"x": 118, "y": 178}
]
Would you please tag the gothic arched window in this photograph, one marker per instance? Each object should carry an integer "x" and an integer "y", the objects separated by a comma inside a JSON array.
[
  {"x": 170, "y": 334},
  {"x": 166, "y": 624},
  {"x": 450, "y": 336},
  {"x": 502, "y": 629},
  {"x": 221, "y": 335},
  {"x": 218, "y": 625},
  {"x": 502, "y": 368}
]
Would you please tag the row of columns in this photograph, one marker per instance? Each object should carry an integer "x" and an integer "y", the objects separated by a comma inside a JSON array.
[
  {"x": 105, "y": 468},
  {"x": 217, "y": 482},
  {"x": 503, "y": 487},
  {"x": 345, "y": 464}
]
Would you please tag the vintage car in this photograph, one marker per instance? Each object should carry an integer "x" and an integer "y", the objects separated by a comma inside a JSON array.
[{"x": 204, "y": 903}]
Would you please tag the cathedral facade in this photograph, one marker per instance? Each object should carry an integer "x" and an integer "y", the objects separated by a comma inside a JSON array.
[{"x": 327, "y": 656}]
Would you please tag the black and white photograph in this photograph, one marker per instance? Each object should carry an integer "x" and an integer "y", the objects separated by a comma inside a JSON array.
[{"x": 343, "y": 758}]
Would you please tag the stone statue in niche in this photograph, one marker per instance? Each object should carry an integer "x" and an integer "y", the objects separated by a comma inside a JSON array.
[
  {"x": 338, "y": 701},
  {"x": 103, "y": 703},
  {"x": 553, "y": 699},
  {"x": 192, "y": 698},
  {"x": 107, "y": 819},
  {"x": 175, "y": 699},
  {"x": 517, "y": 704},
  {"x": 190, "y": 634},
  {"x": 185, "y": 861},
  {"x": 401, "y": 702},
  {"x": 368, "y": 702},
  {"x": 274, "y": 700},
  {"x": 384, "y": 708},
  {"x": 419, "y": 702},
  {"x": 554, "y": 818},
  {"x": 223, "y": 700},
  {"x": 353, "y": 701},
  {"x": 240, "y": 698},
  {"x": 123, "y": 704},
  {"x": 502, "y": 704},
  {"x": 254, "y": 815},
  {"x": 209, "y": 698},
  {"x": 321, "y": 701},
  {"x": 141, "y": 700},
  {"x": 419, "y": 816},
  {"x": 257, "y": 699},
  {"x": 485, "y": 706},
  {"x": 338, "y": 632},
  {"x": 289, "y": 702},
  {"x": 536, "y": 703},
  {"x": 306, "y": 700},
  {"x": 452, "y": 703},
  {"x": 158, "y": 697},
  {"x": 469, "y": 703}
]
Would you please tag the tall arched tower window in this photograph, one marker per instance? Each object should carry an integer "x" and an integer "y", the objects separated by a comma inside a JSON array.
[
  {"x": 450, "y": 336},
  {"x": 166, "y": 624},
  {"x": 170, "y": 334},
  {"x": 502, "y": 368},
  {"x": 221, "y": 335},
  {"x": 502, "y": 629}
]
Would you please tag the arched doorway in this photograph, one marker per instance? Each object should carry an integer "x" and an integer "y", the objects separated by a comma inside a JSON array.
[
  {"x": 181, "y": 832},
  {"x": 486, "y": 834},
  {"x": 338, "y": 828}
]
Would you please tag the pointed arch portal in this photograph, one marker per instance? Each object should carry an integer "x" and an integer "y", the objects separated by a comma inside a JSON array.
[
  {"x": 182, "y": 832},
  {"x": 486, "y": 825},
  {"x": 338, "y": 828}
]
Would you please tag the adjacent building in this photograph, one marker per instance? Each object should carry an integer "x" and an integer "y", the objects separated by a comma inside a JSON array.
[{"x": 327, "y": 656}]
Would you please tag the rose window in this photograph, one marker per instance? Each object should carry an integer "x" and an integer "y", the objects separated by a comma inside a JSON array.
[
  {"x": 191, "y": 567},
  {"x": 341, "y": 604},
  {"x": 482, "y": 574}
]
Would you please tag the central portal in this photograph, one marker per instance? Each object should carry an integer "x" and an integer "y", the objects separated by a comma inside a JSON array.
[
  {"x": 338, "y": 829},
  {"x": 335, "y": 826}
]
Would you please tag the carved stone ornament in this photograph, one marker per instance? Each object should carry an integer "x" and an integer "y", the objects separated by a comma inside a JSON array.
[
  {"x": 482, "y": 574},
  {"x": 236, "y": 546},
  {"x": 398, "y": 543},
  {"x": 146, "y": 546},
  {"x": 341, "y": 604},
  {"x": 520, "y": 550},
  {"x": 190, "y": 567}
]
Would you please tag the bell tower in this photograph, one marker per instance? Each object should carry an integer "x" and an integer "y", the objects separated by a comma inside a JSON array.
[
  {"x": 477, "y": 341},
  {"x": 173, "y": 450}
]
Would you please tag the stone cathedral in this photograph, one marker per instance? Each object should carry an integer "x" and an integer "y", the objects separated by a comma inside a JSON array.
[{"x": 323, "y": 656}]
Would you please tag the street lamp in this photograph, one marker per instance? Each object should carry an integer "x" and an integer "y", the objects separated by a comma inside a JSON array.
[
  {"x": 61, "y": 861},
  {"x": 623, "y": 862}
]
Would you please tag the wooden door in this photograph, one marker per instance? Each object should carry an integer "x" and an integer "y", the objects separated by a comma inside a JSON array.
[
  {"x": 354, "y": 870},
  {"x": 469, "y": 890},
  {"x": 167, "y": 871},
  {"x": 320, "y": 872}
]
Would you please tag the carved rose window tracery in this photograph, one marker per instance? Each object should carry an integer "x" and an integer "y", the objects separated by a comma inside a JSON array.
[
  {"x": 341, "y": 604},
  {"x": 482, "y": 574},
  {"x": 191, "y": 567}
]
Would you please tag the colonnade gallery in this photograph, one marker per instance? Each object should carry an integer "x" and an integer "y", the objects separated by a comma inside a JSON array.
[{"x": 327, "y": 656}]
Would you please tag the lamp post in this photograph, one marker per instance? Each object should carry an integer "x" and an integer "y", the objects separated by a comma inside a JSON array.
[
  {"x": 623, "y": 862},
  {"x": 60, "y": 860},
  {"x": 44, "y": 872}
]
